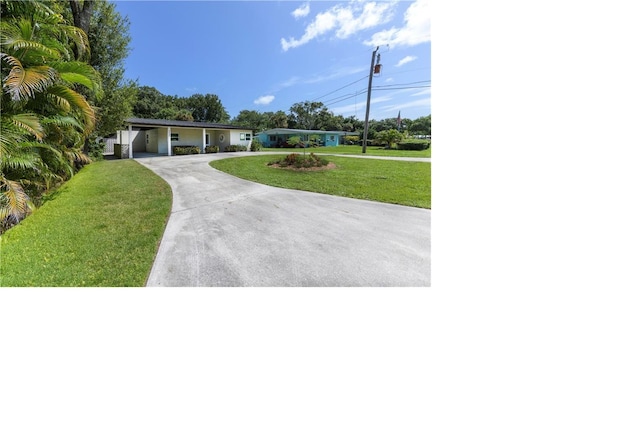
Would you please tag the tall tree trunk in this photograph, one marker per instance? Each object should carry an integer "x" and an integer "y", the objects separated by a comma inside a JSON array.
[{"x": 81, "y": 10}]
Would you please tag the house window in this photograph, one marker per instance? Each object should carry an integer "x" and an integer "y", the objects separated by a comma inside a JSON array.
[
  {"x": 272, "y": 138},
  {"x": 247, "y": 136},
  {"x": 147, "y": 138},
  {"x": 242, "y": 136},
  {"x": 206, "y": 138},
  {"x": 332, "y": 137},
  {"x": 175, "y": 137}
]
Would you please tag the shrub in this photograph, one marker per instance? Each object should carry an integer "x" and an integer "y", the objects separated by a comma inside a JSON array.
[
  {"x": 96, "y": 149},
  {"x": 211, "y": 149},
  {"x": 255, "y": 145},
  {"x": 414, "y": 146},
  {"x": 236, "y": 148},
  {"x": 351, "y": 139},
  {"x": 300, "y": 161},
  {"x": 184, "y": 150}
]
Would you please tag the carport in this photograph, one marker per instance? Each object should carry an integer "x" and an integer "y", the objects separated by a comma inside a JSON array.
[{"x": 159, "y": 137}]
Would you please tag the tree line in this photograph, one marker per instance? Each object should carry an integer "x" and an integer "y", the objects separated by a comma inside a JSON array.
[{"x": 314, "y": 115}]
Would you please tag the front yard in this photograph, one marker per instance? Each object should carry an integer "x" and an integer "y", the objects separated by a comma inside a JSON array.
[
  {"x": 102, "y": 228},
  {"x": 396, "y": 182}
]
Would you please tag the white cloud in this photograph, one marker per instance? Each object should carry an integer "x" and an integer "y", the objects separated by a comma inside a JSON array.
[
  {"x": 264, "y": 100},
  {"x": 416, "y": 30},
  {"x": 302, "y": 11},
  {"x": 345, "y": 20},
  {"x": 406, "y": 60}
]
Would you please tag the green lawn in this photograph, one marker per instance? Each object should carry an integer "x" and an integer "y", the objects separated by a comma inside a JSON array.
[
  {"x": 357, "y": 150},
  {"x": 396, "y": 182},
  {"x": 102, "y": 228}
]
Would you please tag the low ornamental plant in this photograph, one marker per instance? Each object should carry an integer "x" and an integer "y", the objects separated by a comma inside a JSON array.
[
  {"x": 211, "y": 149},
  {"x": 294, "y": 160},
  {"x": 255, "y": 145},
  {"x": 184, "y": 150},
  {"x": 235, "y": 148}
]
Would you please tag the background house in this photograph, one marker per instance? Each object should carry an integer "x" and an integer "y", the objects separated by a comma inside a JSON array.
[
  {"x": 146, "y": 135},
  {"x": 277, "y": 138}
]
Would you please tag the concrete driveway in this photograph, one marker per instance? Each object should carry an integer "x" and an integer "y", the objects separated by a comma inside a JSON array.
[{"x": 225, "y": 231}]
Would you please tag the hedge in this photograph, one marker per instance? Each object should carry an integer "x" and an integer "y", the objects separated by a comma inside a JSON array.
[
  {"x": 413, "y": 146},
  {"x": 184, "y": 150},
  {"x": 235, "y": 148},
  {"x": 211, "y": 149}
]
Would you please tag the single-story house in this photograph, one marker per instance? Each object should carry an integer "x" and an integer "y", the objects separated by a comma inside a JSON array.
[
  {"x": 146, "y": 135},
  {"x": 277, "y": 138}
]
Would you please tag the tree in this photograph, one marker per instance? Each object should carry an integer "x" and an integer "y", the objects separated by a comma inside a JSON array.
[
  {"x": 149, "y": 102},
  {"x": 82, "y": 10},
  {"x": 109, "y": 41},
  {"x": 421, "y": 126},
  {"x": 207, "y": 108},
  {"x": 251, "y": 119},
  {"x": 389, "y": 136},
  {"x": 306, "y": 115},
  {"x": 43, "y": 116},
  {"x": 278, "y": 120}
]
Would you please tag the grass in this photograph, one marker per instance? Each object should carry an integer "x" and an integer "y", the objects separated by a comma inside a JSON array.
[
  {"x": 102, "y": 228},
  {"x": 357, "y": 150},
  {"x": 396, "y": 182}
]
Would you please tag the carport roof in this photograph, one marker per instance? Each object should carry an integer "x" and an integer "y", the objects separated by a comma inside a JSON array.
[{"x": 152, "y": 122}]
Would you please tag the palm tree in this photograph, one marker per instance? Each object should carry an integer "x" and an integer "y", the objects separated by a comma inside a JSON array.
[{"x": 43, "y": 115}]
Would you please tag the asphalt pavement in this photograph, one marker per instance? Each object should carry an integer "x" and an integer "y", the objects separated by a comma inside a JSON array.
[{"x": 228, "y": 232}]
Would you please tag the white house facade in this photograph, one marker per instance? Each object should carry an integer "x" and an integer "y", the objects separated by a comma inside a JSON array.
[{"x": 146, "y": 135}]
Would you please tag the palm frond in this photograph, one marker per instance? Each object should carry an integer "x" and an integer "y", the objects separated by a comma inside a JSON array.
[
  {"x": 22, "y": 83},
  {"x": 28, "y": 122},
  {"x": 14, "y": 202},
  {"x": 78, "y": 102}
]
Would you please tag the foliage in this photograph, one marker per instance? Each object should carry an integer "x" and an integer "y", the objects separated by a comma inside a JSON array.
[
  {"x": 351, "y": 139},
  {"x": 294, "y": 160},
  {"x": 44, "y": 115},
  {"x": 109, "y": 41},
  {"x": 96, "y": 148},
  {"x": 211, "y": 149},
  {"x": 307, "y": 115},
  {"x": 151, "y": 103},
  {"x": 389, "y": 137},
  {"x": 185, "y": 150},
  {"x": 295, "y": 142},
  {"x": 235, "y": 148},
  {"x": 414, "y": 146},
  {"x": 90, "y": 233},
  {"x": 255, "y": 145},
  {"x": 391, "y": 181}
]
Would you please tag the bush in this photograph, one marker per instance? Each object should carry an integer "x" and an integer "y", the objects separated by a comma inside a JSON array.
[
  {"x": 211, "y": 149},
  {"x": 414, "y": 146},
  {"x": 351, "y": 139},
  {"x": 255, "y": 145},
  {"x": 184, "y": 150},
  {"x": 96, "y": 149},
  {"x": 300, "y": 161},
  {"x": 235, "y": 148}
]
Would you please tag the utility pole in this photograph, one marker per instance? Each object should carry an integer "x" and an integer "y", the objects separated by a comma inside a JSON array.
[{"x": 366, "y": 117}]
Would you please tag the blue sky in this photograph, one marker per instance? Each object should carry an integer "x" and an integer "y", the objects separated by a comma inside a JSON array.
[{"x": 268, "y": 55}]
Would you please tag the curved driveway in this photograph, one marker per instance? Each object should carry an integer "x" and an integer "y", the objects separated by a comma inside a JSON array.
[{"x": 226, "y": 231}]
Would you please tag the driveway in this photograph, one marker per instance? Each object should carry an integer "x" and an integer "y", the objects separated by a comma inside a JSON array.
[{"x": 229, "y": 232}]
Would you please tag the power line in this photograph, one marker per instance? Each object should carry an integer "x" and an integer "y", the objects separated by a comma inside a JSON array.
[
  {"x": 350, "y": 84},
  {"x": 403, "y": 86}
]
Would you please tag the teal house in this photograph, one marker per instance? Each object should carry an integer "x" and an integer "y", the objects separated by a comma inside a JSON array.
[{"x": 277, "y": 138}]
